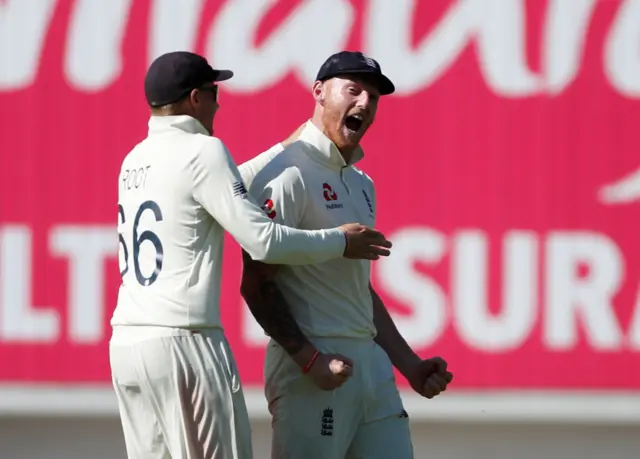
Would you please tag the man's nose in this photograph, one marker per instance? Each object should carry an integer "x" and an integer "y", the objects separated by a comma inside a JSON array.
[{"x": 363, "y": 100}]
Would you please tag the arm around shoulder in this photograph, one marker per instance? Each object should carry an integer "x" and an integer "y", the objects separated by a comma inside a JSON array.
[{"x": 219, "y": 188}]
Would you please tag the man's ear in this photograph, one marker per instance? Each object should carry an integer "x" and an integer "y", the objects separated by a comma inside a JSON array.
[
  {"x": 194, "y": 96},
  {"x": 318, "y": 92}
]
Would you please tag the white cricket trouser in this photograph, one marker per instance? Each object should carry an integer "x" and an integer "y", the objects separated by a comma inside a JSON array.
[
  {"x": 179, "y": 396},
  {"x": 363, "y": 419}
]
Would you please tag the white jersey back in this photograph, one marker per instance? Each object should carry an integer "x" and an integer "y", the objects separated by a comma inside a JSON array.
[
  {"x": 168, "y": 243},
  {"x": 178, "y": 191},
  {"x": 309, "y": 186}
]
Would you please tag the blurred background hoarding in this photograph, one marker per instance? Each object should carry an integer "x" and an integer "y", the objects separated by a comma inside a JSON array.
[{"x": 507, "y": 168}]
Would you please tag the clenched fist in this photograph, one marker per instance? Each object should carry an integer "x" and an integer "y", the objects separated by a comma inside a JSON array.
[
  {"x": 430, "y": 377},
  {"x": 330, "y": 371}
]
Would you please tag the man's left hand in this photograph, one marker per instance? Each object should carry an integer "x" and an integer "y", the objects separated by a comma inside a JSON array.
[{"x": 430, "y": 377}]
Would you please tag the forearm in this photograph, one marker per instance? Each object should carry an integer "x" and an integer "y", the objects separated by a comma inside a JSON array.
[
  {"x": 270, "y": 309},
  {"x": 291, "y": 246},
  {"x": 389, "y": 338},
  {"x": 273, "y": 243}
]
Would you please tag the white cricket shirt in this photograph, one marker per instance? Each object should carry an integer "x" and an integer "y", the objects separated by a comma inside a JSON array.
[
  {"x": 178, "y": 190},
  {"x": 309, "y": 186}
]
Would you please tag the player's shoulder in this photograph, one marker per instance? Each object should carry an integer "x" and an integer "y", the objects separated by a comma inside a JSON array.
[
  {"x": 251, "y": 167},
  {"x": 206, "y": 145},
  {"x": 361, "y": 173},
  {"x": 283, "y": 170},
  {"x": 206, "y": 152},
  {"x": 135, "y": 157},
  {"x": 364, "y": 177},
  {"x": 188, "y": 144},
  {"x": 137, "y": 150}
]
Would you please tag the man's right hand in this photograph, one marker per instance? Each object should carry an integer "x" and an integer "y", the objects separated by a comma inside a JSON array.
[
  {"x": 331, "y": 371},
  {"x": 364, "y": 242}
]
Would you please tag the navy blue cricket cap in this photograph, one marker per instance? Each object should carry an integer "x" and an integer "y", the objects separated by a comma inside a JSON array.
[
  {"x": 355, "y": 63},
  {"x": 173, "y": 75}
]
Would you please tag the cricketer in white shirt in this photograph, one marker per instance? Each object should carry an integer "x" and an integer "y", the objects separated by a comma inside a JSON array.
[
  {"x": 326, "y": 315},
  {"x": 176, "y": 381},
  {"x": 179, "y": 190}
]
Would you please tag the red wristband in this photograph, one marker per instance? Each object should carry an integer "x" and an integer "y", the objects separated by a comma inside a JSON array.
[{"x": 309, "y": 364}]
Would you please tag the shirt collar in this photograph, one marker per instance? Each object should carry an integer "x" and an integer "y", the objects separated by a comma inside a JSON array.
[
  {"x": 185, "y": 123},
  {"x": 325, "y": 150}
]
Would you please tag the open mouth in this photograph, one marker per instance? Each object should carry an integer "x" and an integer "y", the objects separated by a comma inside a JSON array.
[{"x": 353, "y": 123}]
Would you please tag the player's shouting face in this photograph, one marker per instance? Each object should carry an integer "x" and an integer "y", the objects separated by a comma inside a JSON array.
[{"x": 349, "y": 107}]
